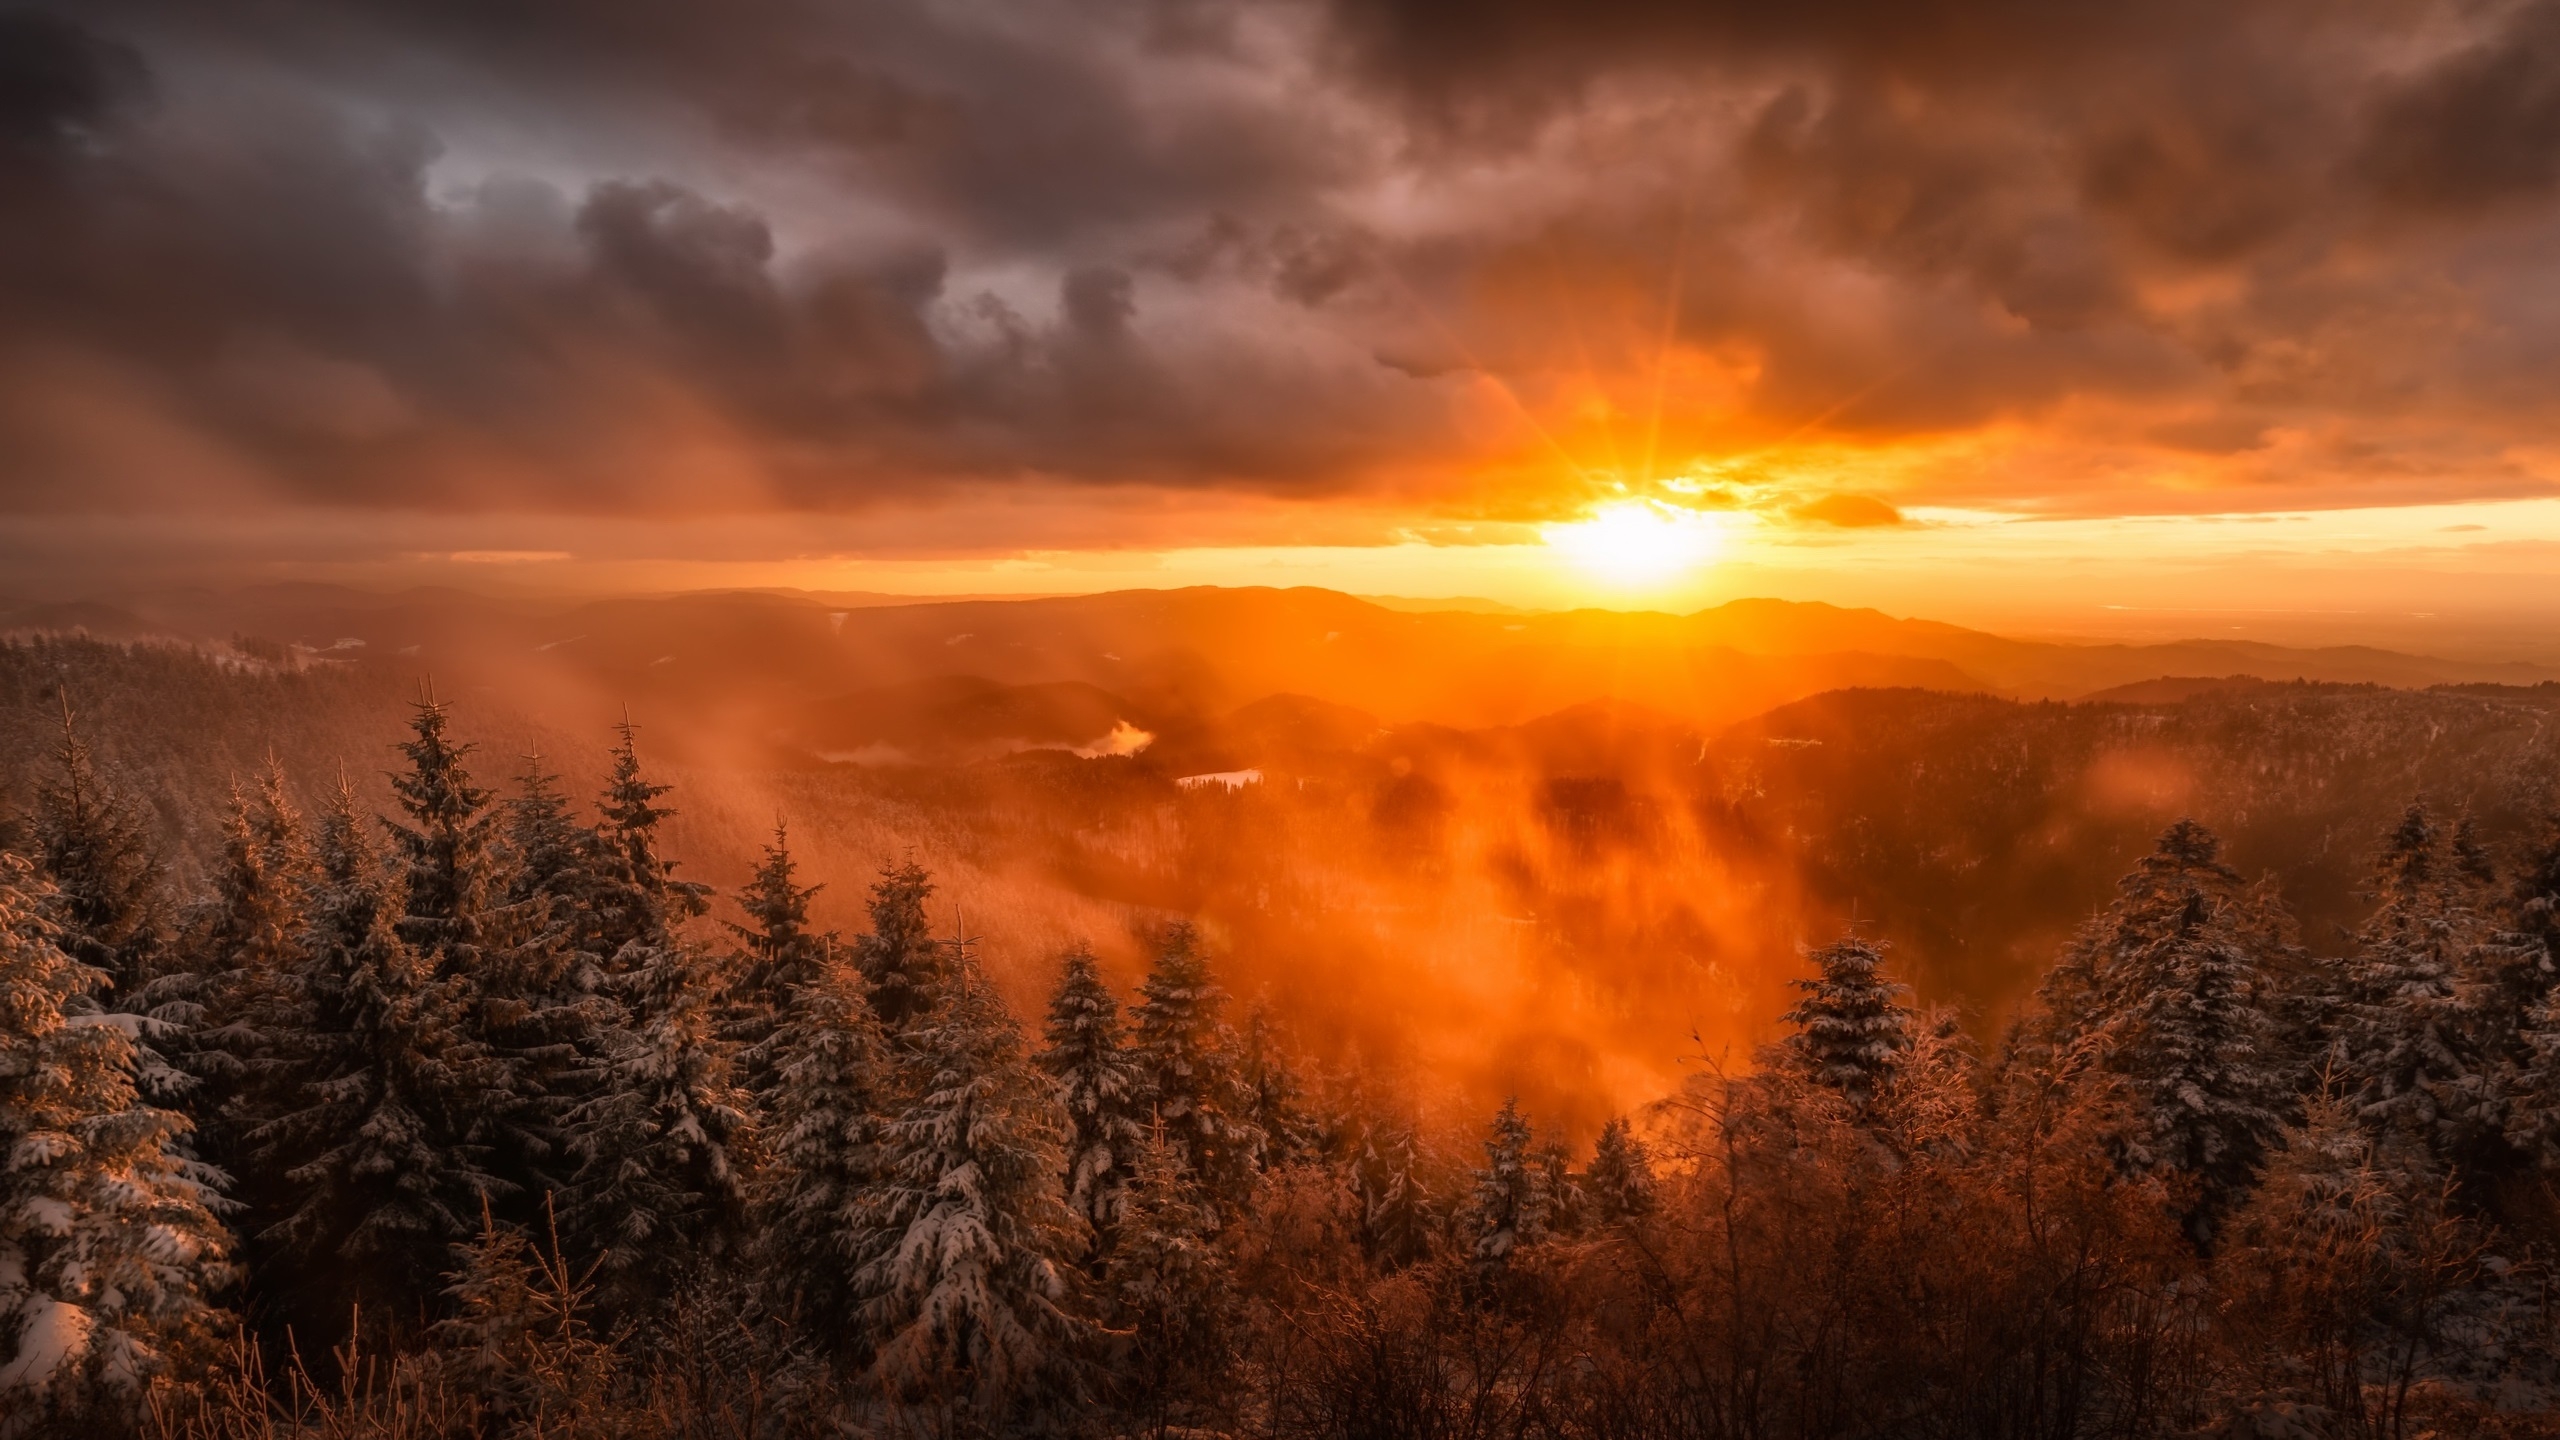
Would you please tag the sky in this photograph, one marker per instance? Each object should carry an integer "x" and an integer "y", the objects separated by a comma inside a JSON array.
[{"x": 2055, "y": 315}]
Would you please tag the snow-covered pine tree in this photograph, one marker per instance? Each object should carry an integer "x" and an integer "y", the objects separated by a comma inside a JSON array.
[
  {"x": 1275, "y": 1098},
  {"x": 659, "y": 1184},
  {"x": 1188, "y": 1058},
  {"x": 2404, "y": 1043},
  {"x": 656, "y": 1187},
  {"x": 2165, "y": 992},
  {"x": 1619, "y": 1182},
  {"x": 449, "y": 875},
  {"x": 109, "y": 1249},
  {"x": 1170, "y": 1287},
  {"x": 1511, "y": 1202},
  {"x": 777, "y": 955},
  {"x": 241, "y": 952},
  {"x": 2090, "y": 983},
  {"x": 901, "y": 962},
  {"x": 382, "y": 1137},
  {"x": 92, "y": 845},
  {"x": 1852, "y": 1029},
  {"x": 557, "y": 866},
  {"x": 650, "y": 901},
  {"x": 822, "y": 1134},
  {"x": 1395, "y": 1211},
  {"x": 1512, "y": 1205},
  {"x": 967, "y": 1275},
  {"x": 1100, "y": 1087},
  {"x": 530, "y": 1011}
]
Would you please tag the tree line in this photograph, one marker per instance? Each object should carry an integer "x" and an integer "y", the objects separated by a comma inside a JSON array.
[{"x": 469, "y": 1119}]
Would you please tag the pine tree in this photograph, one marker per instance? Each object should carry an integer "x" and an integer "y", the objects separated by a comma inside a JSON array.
[
  {"x": 109, "y": 1249},
  {"x": 1275, "y": 1101},
  {"x": 1395, "y": 1210},
  {"x": 648, "y": 899},
  {"x": 1568, "y": 1204},
  {"x": 823, "y": 1138},
  {"x": 94, "y": 848},
  {"x": 2199, "y": 1050},
  {"x": 242, "y": 954},
  {"x": 1188, "y": 1060},
  {"x": 659, "y": 1184},
  {"x": 900, "y": 960},
  {"x": 1620, "y": 1179},
  {"x": 967, "y": 1281},
  {"x": 2404, "y": 1041},
  {"x": 1168, "y": 1284},
  {"x": 2169, "y": 998},
  {"x": 2092, "y": 982},
  {"x": 384, "y": 1135},
  {"x": 778, "y": 957},
  {"x": 1852, "y": 1030},
  {"x": 530, "y": 1010},
  {"x": 1512, "y": 1205},
  {"x": 1100, "y": 1087},
  {"x": 557, "y": 865},
  {"x": 444, "y": 850}
]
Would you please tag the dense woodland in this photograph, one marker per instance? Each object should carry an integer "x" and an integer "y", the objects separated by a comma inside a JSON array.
[{"x": 457, "y": 1107}]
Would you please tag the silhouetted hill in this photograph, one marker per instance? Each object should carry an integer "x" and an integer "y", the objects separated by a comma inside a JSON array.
[{"x": 751, "y": 663}]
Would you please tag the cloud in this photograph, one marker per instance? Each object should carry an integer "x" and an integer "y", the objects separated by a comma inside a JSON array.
[
  {"x": 1849, "y": 512},
  {"x": 1484, "y": 262}
]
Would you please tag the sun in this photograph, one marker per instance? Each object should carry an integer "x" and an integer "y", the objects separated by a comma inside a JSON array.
[{"x": 1639, "y": 542}]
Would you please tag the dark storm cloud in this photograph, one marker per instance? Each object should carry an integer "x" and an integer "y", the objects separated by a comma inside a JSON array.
[{"x": 654, "y": 256}]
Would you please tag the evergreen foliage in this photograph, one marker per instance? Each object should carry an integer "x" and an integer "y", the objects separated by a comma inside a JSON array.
[
  {"x": 386, "y": 1099},
  {"x": 2176, "y": 1009},
  {"x": 659, "y": 1184},
  {"x": 1396, "y": 1217},
  {"x": 1099, "y": 1086},
  {"x": 646, "y": 900},
  {"x": 901, "y": 962},
  {"x": 1188, "y": 1058},
  {"x": 533, "y": 1017},
  {"x": 1852, "y": 1030},
  {"x": 109, "y": 1248},
  {"x": 2157, "y": 1216},
  {"x": 2405, "y": 1042},
  {"x": 1619, "y": 1181},
  {"x": 91, "y": 844},
  {"x": 555, "y": 866},
  {"x": 1513, "y": 1204},
  {"x": 1275, "y": 1097},
  {"x": 1168, "y": 1285},
  {"x": 237, "y": 996},
  {"x": 778, "y": 956},
  {"x": 823, "y": 1134},
  {"x": 967, "y": 1276}
]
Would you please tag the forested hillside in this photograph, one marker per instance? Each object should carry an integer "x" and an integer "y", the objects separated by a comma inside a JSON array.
[{"x": 455, "y": 1104}]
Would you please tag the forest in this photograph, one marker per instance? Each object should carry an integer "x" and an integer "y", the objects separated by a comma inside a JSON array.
[{"x": 443, "y": 1100}]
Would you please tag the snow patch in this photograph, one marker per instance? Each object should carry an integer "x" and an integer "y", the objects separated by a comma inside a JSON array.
[{"x": 50, "y": 1334}]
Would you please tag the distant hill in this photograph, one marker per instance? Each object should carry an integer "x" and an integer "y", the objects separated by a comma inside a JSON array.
[{"x": 756, "y": 662}]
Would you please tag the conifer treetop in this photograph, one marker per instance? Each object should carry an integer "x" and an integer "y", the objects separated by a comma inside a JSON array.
[{"x": 1852, "y": 1028}]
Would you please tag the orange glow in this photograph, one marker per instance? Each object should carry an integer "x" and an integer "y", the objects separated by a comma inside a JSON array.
[{"x": 1639, "y": 542}]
